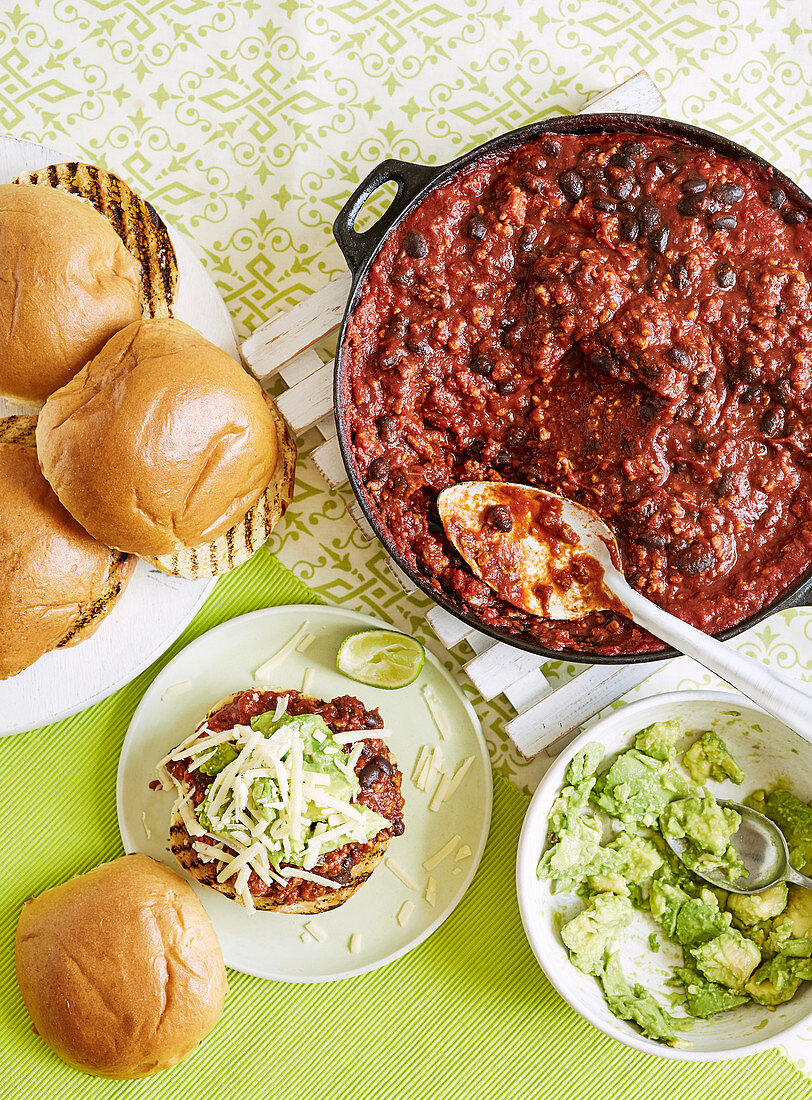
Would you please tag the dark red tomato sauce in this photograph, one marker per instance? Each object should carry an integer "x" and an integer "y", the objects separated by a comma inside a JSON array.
[
  {"x": 623, "y": 319},
  {"x": 378, "y": 776}
]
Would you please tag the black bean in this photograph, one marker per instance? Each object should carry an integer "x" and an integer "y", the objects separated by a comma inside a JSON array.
[
  {"x": 418, "y": 347},
  {"x": 507, "y": 385},
  {"x": 372, "y": 772},
  {"x": 703, "y": 380},
  {"x": 633, "y": 149},
  {"x": 658, "y": 240},
  {"x": 723, "y": 223},
  {"x": 397, "y": 326},
  {"x": 390, "y": 360},
  {"x": 551, "y": 148},
  {"x": 749, "y": 393},
  {"x": 749, "y": 367},
  {"x": 629, "y": 229},
  {"x": 621, "y": 160},
  {"x": 689, "y": 206},
  {"x": 648, "y": 217},
  {"x": 378, "y": 469},
  {"x": 772, "y": 422},
  {"x": 648, "y": 410},
  {"x": 777, "y": 198},
  {"x": 476, "y": 447},
  {"x": 693, "y": 186},
  {"x": 572, "y": 184},
  {"x": 481, "y": 364},
  {"x": 515, "y": 436},
  {"x": 501, "y": 459},
  {"x": 500, "y": 518},
  {"x": 476, "y": 228},
  {"x": 666, "y": 166},
  {"x": 526, "y": 238},
  {"x": 681, "y": 357},
  {"x": 400, "y": 484},
  {"x": 621, "y": 188},
  {"x": 781, "y": 389},
  {"x": 794, "y": 217},
  {"x": 628, "y": 207},
  {"x": 606, "y": 205},
  {"x": 387, "y": 426},
  {"x": 679, "y": 273},
  {"x": 725, "y": 275},
  {"x": 595, "y": 174},
  {"x": 374, "y": 722},
  {"x": 695, "y": 560},
  {"x": 724, "y": 485},
  {"x": 699, "y": 446},
  {"x": 532, "y": 182},
  {"x": 606, "y": 362},
  {"x": 532, "y": 475},
  {"x": 728, "y": 193},
  {"x": 414, "y": 244}
]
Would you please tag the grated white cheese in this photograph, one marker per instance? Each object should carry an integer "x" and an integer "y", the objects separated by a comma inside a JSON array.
[
  {"x": 419, "y": 762},
  {"x": 458, "y": 777},
  {"x": 463, "y": 853},
  {"x": 457, "y": 871},
  {"x": 281, "y": 707},
  {"x": 355, "y": 943},
  {"x": 305, "y": 643},
  {"x": 177, "y": 689},
  {"x": 316, "y": 932},
  {"x": 305, "y": 937},
  {"x": 281, "y": 653},
  {"x": 398, "y": 872},
  {"x": 436, "y": 710},
  {"x": 298, "y": 872},
  {"x": 440, "y": 793},
  {"x": 431, "y": 890},
  {"x": 147, "y": 829},
  {"x": 307, "y": 680},
  {"x": 405, "y": 912},
  {"x": 441, "y": 853}
]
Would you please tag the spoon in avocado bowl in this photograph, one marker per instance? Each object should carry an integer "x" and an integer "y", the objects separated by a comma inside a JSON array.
[
  {"x": 762, "y": 849},
  {"x": 559, "y": 560}
]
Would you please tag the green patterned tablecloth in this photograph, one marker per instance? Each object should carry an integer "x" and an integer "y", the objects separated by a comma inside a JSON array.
[{"x": 248, "y": 124}]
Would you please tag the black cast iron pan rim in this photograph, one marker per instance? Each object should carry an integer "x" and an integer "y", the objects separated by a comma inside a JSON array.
[{"x": 414, "y": 182}]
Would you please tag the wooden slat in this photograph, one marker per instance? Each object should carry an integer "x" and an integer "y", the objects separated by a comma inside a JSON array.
[
  {"x": 574, "y": 703},
  {"x": 308, "y": 401},
  {"x": 499, "y": 666},
  {"x": 300, "y": 367},
  {"x": 528, "y": 690},
  {"x": 291, "y": 331},
  {"x": 329, "y": 463},
  {"x": 448, "y": 628},
  {"x": 638, "y": 95}
]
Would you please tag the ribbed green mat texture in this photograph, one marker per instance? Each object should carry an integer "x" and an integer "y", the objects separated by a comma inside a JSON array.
[{"x": 467, "y": 1015}]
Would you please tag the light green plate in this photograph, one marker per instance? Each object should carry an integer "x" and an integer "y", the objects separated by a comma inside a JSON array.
[{"x": 267, "y": 944}]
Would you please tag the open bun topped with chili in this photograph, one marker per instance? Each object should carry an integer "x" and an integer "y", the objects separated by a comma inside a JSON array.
[{"x": 285, "y": 801}]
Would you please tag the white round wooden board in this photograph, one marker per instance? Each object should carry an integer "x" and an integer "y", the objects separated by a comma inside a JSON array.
[
  {"x": 268, "y": 944},
  {"x": 154, "y": 608}
]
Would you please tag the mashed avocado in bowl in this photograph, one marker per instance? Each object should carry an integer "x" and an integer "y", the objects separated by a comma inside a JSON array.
[{"x": 670, "y": 954}]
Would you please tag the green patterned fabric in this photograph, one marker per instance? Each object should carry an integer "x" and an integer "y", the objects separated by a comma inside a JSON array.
[{"x": 467, "y": 1015}]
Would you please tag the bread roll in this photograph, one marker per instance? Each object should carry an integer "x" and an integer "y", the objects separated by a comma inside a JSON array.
[
  {"x": 161, "y": 442},
  {"x": 67, "y": 284},
  {"x": 58, "y": 583},
  {"x": 120, "y": 969}
]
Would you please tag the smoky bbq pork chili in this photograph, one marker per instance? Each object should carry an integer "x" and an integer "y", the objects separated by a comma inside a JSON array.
[
  {"x": 378, "y": 776},
  {"x": 624, "y": 319}
]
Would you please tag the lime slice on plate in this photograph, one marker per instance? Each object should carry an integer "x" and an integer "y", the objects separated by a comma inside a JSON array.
[{"x": 381, "y": 658}]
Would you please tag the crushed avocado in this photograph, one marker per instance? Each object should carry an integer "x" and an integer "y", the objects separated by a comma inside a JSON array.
[{"x": 607, "y": 843}]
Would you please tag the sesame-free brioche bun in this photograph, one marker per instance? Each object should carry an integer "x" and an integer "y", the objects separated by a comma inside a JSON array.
[
  {"x": 120, "y": 968},
  {"x": 58, "y": 583},
  {"x": 161, "y": 442},
  {"x": 67, "y": 284}
]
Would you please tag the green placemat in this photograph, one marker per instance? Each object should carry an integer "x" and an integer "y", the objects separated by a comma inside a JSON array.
[{"x": 467, "y": 1015}]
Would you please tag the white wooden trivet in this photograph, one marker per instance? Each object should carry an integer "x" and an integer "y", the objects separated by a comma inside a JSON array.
[{"x": 284, "y": 347}]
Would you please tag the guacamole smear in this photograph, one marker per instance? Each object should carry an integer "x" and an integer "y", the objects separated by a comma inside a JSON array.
[{"x": 607, "y": 843}]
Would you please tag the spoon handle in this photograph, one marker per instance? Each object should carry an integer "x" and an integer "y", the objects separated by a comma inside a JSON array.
[
  {"x": 798, "y": 878},
  {"x": 780, "y": 695}
]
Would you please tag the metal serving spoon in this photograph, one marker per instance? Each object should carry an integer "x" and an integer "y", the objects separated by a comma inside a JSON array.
[
  {"x": 762, "y": 848},
  {"x": 559, "y": 560}
]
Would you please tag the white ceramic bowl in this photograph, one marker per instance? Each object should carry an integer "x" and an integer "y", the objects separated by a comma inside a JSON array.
[{"x": 770, "y": 753}]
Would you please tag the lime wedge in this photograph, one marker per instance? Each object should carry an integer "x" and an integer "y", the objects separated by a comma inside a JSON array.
[{"x": 381, "y": 658}]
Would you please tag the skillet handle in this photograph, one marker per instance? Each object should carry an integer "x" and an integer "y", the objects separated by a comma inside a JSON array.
[{"x": 410, "y": 178}]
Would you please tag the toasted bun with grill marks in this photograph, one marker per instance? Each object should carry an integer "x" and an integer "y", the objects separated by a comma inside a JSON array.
[{"x": 120, "y": 969}]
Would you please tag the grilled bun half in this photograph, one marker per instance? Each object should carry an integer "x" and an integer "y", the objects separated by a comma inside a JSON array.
[
  {"x": 67, "y": 284},
  {"x": 161, "y": 442},
  {"x": 57, "y": 582},
  {"x": 120, "y": 968}
]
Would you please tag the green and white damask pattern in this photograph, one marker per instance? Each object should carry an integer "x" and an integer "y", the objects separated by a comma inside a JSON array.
[{"x": 248, "y": 124}]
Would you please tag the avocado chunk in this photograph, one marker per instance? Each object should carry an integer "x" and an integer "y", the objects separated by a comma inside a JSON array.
[
  {"x": 707, "y": 827},
  {"x": 704, "y": 998},
  {"x": 223, "y": 755},
  {"x": 590, "y": 934},
  {"x": 637, "y": 788},
  {"x": 584, "y": 764},
  {"x": 638, "y": 1005},
  {"x": 794, "y": 819},
  {"x": 709, "y": 758},
  {"x": 729, "y": 959},
  {"x": 778, "y": 980},
  {"x": 685, "y": 920},
  {"x": 660, "y": 739},
  {"x": 799, "y": 912},
  {"x": 751, "y": 908}
]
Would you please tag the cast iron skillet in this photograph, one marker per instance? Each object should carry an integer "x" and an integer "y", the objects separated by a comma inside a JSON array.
[{"x": 414, "y": 182}]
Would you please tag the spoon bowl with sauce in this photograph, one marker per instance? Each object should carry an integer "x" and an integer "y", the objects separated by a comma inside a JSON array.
[{"x": 558, "y": 560}]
